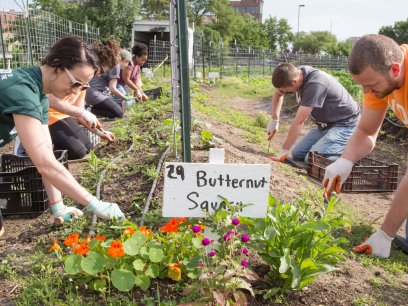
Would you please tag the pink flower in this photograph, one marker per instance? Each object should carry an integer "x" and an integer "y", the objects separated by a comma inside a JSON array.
[
  {"x": 196, "y": 229},
  {"x": 212, "y": 253},
  {"x": 245, "y": 251},
  {"x": 227, "y": 237},
  {"x": 205, "y": 241},
  {"x": 244, "y": 263},
  {"x": 245, "y": 238},
  {"x": 235, "y": 222},
  {"x": 201, "y": 265}
]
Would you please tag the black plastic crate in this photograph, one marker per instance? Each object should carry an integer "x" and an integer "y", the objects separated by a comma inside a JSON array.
[
  {"x": 367, "y": 174},
  {"x": 154, "y": 94},
  {"x": 21, "y": 187}
]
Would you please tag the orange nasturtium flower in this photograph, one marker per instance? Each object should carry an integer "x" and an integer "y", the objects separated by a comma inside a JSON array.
[
  {"x": 87, "y": 239},
  {"x": 55, "y": 246},
  {"x": 81, "y": 249},
  {"x": 116, "y": 249},
  {"x": 171, "y": 226},
  {"x": 129, "y": 231},
  {"x": 145, "y": 231},
  {"x": 100, "y": 237},
  {"x": 174, "y": 272},
  {"x": 182, "y": 220},
  {"x": 71, "y": 239}
]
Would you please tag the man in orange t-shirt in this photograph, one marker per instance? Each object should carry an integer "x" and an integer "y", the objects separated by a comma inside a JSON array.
[{"x": 380, "y": 66}]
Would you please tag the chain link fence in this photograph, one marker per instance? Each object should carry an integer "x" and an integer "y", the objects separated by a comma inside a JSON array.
[
  {"x": 25, "y": 37},
  {"x": 218, "y": 61}
]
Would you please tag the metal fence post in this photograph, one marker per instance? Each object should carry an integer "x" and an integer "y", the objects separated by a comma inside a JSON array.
[
  {"x": 202, "y": 53},
  {"x": 2, "y": 43},
  {"x": 249, "y": 62},
  {"x": 29, "y": 46}
]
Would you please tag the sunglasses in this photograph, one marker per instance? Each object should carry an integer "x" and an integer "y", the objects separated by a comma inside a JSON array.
[{"x": 75, "y": 82}]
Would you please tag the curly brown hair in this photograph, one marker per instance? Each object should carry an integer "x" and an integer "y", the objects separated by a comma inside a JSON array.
[{"x": 107, "y": 52}]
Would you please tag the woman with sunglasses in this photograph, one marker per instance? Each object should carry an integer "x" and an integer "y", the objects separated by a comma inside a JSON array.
[{"x": 68, "y": 67}]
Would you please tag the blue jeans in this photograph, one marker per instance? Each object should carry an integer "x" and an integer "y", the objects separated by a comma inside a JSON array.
[
  {"x": 123, "y": 91},
  {"x": 330, "y": 141}
]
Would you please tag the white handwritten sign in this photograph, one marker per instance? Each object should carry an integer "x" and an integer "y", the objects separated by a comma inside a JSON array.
[{"x": 192, "y": 188}]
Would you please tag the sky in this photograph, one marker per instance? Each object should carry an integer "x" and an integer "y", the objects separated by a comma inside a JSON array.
[{"x": 343, "y": 18}]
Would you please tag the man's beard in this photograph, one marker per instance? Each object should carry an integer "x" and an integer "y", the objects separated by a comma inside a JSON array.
[{"x": 392, "y": 85}]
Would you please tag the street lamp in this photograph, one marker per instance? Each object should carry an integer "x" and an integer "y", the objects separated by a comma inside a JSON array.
[{"x": 300, "y": 5}]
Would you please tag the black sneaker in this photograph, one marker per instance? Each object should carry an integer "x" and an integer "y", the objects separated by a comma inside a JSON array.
[{"x": 1, "y": 224}]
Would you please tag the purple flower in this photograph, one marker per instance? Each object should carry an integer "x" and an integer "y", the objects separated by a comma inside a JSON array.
[
  {"x": 244, "y": 263},
  {"x": 245, "y": 238},
  {"x": 211, "y": 272},
  {"x": 205, "y": 241},
  {"x": 232, "y": 233},
  {"x": 212, "y": 253},
  {"x": 245, "y": 251},
  {"x": 201, "y": 265},
  {"x": 196, "y": 229},
  {"x": 227, "y": 237},
  {"x": 235, "y": 222}
]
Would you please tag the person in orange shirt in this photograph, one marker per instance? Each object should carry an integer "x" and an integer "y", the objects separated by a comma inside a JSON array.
[
  {"x": 66, "y": 121},
  {"x": 380, "y": 66}
]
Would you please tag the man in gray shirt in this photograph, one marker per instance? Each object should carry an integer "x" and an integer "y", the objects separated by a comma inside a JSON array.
[{"x": 322, "y": 98}]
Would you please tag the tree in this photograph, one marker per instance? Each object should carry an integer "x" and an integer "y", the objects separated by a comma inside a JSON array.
[
  {"x": 155, "y": 9},
  {"x": 277, "y": 32},
  {"x": 314, "y": 42},
  {"x": 114, "y": 18},
  {"x": 226, "y": 21},
  {"x": 398, "y": 32},
  {"x": 251, "y": 33},
  {"x": 196, "y": 9}
]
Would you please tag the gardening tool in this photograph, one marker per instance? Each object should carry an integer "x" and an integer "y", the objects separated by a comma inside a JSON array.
[
  {"x": 61, "y": 219},
  {"x": 107, "y": 135},
  {"x": 269, "y": 145}
]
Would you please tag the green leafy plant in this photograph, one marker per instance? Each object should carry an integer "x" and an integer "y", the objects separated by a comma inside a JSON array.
[
  {"x": 134, "y": 258},
  {"x": 297, "y": 243},
  {"x": 221, "y": 271}
]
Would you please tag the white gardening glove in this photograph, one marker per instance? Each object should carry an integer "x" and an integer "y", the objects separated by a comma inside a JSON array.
[
  {"x": 281, "y": 156},
  {"x": 336, "y": 174},
  {"x": 105, "y": 210},
  {"x": 379, "y": 244},
  {"x": 272, "y": 128},
  {"x": 60, "y": 210},
  {"x": 90, "y": 118}
]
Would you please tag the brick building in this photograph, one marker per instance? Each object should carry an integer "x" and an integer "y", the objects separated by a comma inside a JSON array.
[{"x": 253, "y": 7}]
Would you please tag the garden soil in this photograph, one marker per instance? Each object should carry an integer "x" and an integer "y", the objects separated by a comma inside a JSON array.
[{"x": 353, "y": 281}]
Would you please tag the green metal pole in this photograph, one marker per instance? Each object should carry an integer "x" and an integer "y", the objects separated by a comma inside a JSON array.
[{"x": 184, "y": 80}]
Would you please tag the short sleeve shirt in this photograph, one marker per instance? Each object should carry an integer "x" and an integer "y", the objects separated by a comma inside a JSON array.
[
  {"x": 99, "y": 90},
  {"x": 397, "y": 100},
  {"x": 332, "y": 104},
  {"x": 21, "y": 93},
  {"x": 54, "y": 115}
]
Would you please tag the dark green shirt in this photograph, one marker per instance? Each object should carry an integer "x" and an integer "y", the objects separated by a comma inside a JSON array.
[{"x": 20, "y": 93}]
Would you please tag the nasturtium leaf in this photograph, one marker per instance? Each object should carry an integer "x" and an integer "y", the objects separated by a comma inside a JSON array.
[
  {"x": 106, "y": 243},
  {"x": 133, "y": 244},
  {"x": 142, "y": 281},
  {"x": 139, "y": 265},
  {"x": 144, "y": 252},
  {"x": 152, "y": 270},
  {"x": 156, "y": 255},
  {"x": 93, "y": 263},
  {"x": 72, "y": 264},
  {"x": 122, "y": 279},
  {"x": 99, "y": 285}
]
